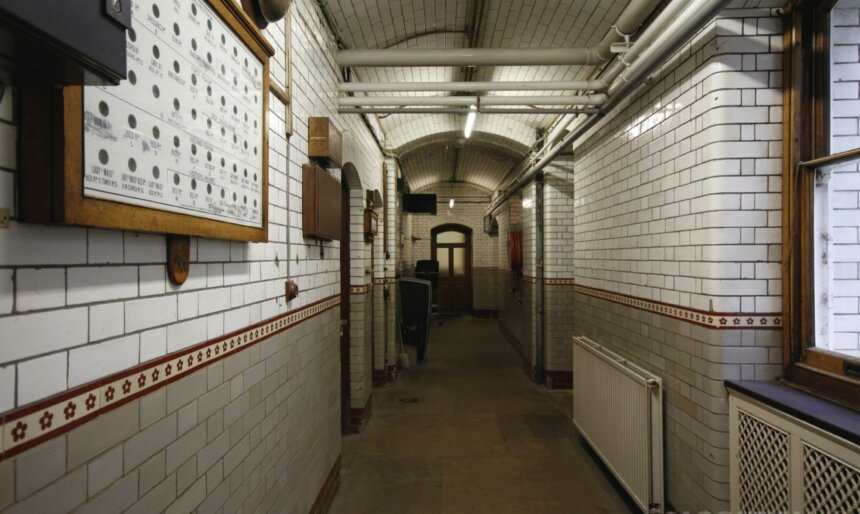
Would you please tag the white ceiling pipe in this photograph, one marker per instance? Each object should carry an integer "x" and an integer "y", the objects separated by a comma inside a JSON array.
[
  {"x": 460, "y": 101},
  {"x": 628, "y": 22},
  {"x": 691, "y": 14},
  {"x": 466, "y": 57},
  {"x": 465, "y": 110},
  {"x": 378, "y": 87},
  {"x": 699, "y": 12},
  {"x": 646, "y": 39}
]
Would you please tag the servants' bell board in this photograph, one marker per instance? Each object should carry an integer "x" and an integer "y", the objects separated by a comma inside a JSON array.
[{"x": 184, "y": 132}]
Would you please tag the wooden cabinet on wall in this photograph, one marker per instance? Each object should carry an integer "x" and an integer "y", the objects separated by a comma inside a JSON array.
[
  {"x": 321, "y": 199},
  {"x": 325, "y": 144}
]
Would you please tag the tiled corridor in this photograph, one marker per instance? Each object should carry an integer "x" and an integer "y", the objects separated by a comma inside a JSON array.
[{"x": 479, "y": 438}]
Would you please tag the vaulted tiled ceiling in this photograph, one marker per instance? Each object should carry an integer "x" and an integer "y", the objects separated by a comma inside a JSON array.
[{"x": 449, "y": 24}]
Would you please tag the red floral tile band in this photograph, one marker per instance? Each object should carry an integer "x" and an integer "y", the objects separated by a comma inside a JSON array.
[
  {"x": 718, "y": 320},
  {"x": 30, "y": 425}
]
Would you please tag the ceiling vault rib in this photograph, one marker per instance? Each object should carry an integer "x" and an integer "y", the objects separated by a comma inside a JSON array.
[{"x": 417, "y": 35}]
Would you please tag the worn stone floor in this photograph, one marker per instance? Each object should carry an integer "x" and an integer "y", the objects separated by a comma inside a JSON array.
[{"x": 481, "y": 438}]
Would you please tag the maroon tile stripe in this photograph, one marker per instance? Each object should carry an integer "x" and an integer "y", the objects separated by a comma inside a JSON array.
[
  {"x": 30, "y": 425},
  {"x": 715, "y": 320}
]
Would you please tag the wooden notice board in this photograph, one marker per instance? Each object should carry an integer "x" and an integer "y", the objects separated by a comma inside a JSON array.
[{"x": 180, "y": 147}]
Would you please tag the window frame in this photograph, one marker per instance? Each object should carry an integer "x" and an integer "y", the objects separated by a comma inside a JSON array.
[{"x": 806, "y": 148}]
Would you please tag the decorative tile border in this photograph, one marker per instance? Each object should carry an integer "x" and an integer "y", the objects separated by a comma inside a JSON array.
[
  {"x": 558, "y": 281},
  {"x": 30, "y": 425},
  {"x": 361, "y": 289},
  {"x": 716, "y": 320},
  {"x": 388, "y": 280}
]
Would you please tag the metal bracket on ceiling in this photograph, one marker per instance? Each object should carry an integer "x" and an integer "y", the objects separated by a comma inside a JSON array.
[{"x": 621, "y": 48}]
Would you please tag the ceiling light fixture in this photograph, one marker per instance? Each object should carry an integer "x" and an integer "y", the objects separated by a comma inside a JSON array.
[
  {"x": 451, "y": 201},
  {"x": 470, "y": 121}
]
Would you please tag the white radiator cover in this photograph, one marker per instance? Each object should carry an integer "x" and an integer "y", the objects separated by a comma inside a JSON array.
[
  {"x": 779, "y": 463},
  {"x": 618, "y": 409}
]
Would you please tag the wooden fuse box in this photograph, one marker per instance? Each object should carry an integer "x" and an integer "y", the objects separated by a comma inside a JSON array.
[
  {"x": 325, "y": 145},
  {"x": 320, "y": 204}
]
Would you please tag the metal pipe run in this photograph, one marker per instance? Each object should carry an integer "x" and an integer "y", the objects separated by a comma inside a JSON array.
[
  {"x": 547, "y": 85},
  {"x": 670, "y": 38},
  {"x": 467, "y": 101},
  {"x": 464, "y": 110},
  {"x": 467, "y": 57}
]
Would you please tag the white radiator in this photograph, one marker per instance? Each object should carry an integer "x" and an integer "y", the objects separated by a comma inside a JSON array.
[
  {"x": 618, "y": 409},
  {"x": 779, "y": 463}
]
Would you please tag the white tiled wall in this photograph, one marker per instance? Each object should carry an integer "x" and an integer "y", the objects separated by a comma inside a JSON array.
[
  {"x": 70, "y": 295},
  {"x": 470, "y": 206},
  {"x": 677, "y": 198},
  {"x": 680, "y": 202}
]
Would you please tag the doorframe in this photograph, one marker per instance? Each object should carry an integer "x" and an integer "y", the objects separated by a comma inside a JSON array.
[
  {"x": 345, "y": 341},
  {"x": 455, "y": 227}
]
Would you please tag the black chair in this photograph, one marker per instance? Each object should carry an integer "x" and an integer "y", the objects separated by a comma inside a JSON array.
[
  {"x": 415, "y": 302},
  {"x": 429, "y": 270}
]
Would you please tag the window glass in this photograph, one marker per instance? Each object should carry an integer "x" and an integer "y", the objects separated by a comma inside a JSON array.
[
  {"x": 459, "y": 262},
  {"x": 836, "y": 258},
  {"x": 844, "y": 76},
  {"x": 451, "y": 237},
  {"x": 444, "y": 261}
]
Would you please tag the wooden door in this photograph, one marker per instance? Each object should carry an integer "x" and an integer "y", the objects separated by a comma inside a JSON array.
[
  {"x": 452, "y": 247},
  {"x": 345, "y": 389}
]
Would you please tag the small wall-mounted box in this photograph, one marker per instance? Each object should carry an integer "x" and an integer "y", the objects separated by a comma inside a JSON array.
[
  {"x": 64, "y": 43},
  {"x": 321, "y": 197},
  {"x": 371, "y": 225},
  {"x": 325, "y": 144},
  {"x": 373, "y": 199}
]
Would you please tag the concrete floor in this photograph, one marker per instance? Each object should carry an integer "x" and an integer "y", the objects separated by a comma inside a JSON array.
[{"x": 480, "y": 438}]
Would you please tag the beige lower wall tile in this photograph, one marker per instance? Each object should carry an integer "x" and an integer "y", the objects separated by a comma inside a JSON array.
[{"x": 188, "y": 446}]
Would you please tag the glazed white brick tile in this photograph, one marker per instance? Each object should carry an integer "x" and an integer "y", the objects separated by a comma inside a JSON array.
[
  {"x": 96, "y": 360},
  {"x": 41, "y": 377},
  {"x": 104, "y": 246},
  {"x": 7, "y": 387},
  {"x": 186, "y": 333},
  {"x": 150, "y": 312},
  {"x": 153, "y": 344},
  {"x": 7, "y": 291},
  {"x": 101, "y": 283},
  {"x": 144, "y": 248},
  {"x": 44, "y": 332},
  {"x": 152, "y": 280},
  {"x": 40, "y": 245},
  {"x": 106, "y": 320},
  {"x": 43, "y": 288}
]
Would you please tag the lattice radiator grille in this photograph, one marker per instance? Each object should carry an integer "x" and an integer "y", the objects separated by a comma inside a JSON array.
[
  {"x": 763, "y": 466},
  {"x": 829, "y": 485},
  {"x": 783, "y": 465}
]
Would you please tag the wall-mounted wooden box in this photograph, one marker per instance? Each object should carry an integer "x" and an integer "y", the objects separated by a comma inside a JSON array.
[
  {"x": 325, "y": 144},
  {"x": 371, "y": 224},
  {"x": 321, "y": 196}
]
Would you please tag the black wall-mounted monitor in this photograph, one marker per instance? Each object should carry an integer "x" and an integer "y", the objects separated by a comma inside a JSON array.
[{"x": 419, "y": 204}]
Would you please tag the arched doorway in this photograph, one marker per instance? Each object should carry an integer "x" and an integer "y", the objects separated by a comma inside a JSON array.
[{"x": 452, "y": 247}]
